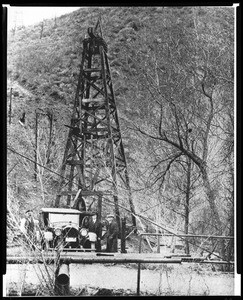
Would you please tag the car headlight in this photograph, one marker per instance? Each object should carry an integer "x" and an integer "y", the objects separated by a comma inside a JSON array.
[
  {"x": 83, "y": 232},
  {"x": 58, "y": 231},
  {"x": 48, "y": 235}
]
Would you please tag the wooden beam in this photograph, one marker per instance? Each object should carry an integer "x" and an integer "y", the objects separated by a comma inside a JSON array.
[
  {"x": 93, "y": 100},
  {"x": 191, "y": 235},
  {"x": 83, "y": 193},
  {"x": 74, "y": 162},
  {"x": 92, "y": 70},
  {"x": 10, "y": 105}
]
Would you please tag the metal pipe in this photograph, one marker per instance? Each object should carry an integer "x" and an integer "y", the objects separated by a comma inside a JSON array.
[
  {"x": 158, "y": 244},
  {"x": 96, "y": 259},
  {"x": 111, "y": 259},
  {"x": 120, "y": 260},
  {"x": 123, "y": 240},
  {"x": 62, "y": 282},
  {"x": 139, "y": 266}
]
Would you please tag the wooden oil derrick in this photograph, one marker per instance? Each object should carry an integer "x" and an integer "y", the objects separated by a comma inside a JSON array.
[{"x": 94, "y": 159}]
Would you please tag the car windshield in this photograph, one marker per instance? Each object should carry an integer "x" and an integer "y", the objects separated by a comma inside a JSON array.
[{"x": 63, "y": 218}]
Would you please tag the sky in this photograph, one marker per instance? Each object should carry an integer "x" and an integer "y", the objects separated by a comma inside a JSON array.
[{"x": 29, "y": 15}]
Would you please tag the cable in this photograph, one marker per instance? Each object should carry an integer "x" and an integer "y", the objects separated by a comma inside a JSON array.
[
  {"x": 162, "y": 227},
  {"x": 14, "y": 151},
  {"x": 108, "y": 201}
]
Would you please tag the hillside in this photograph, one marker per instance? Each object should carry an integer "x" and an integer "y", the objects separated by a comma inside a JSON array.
[{"x": 159, "y": 56}]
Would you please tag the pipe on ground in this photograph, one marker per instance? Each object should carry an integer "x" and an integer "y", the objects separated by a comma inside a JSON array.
[{"x": 62, "y": 282}]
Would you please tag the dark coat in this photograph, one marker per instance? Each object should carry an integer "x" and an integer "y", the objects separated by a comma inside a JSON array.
[
  {"x": 112, "y": 236},
  {"x": 96, "y": 228},
  {"x": 30, "y": 227},
  {"x": 30, "y": 232}
]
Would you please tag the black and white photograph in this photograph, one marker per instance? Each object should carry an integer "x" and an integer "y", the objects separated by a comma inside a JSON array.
[{"x": 121, "y": 151}]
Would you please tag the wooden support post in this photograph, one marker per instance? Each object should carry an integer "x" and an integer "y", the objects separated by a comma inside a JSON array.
[
  {"x": 10, "y": 106},
  {"x": 139, "y": 267},
  {"x": 55, "y": 22},
  {"x": 117, "y": 213},
  {"x": 123, "y": 235},
  {"x": 56, "y": 261},
  {"x": 16, "y": 184},
  {"x": 99, "y": 207},
  {"x": 42, "y": 28},
  {"x": 158, "y": 243},
  {"x": 36, "y": 144},
  {"x": 99, "y": 221},
  {"x": 50, "y": 118}
]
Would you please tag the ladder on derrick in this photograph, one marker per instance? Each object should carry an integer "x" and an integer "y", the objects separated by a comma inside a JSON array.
[{"x": 94, "y": 160}]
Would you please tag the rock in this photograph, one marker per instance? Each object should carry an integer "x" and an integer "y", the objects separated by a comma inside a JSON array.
[{"x": 103, "y": 292}]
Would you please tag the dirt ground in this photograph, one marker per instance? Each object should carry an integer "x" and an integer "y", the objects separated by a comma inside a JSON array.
[
  {"x": 118, "y": 279},
  {"x": 164, "y": 280},
  {"x": 183, "y": 279}
]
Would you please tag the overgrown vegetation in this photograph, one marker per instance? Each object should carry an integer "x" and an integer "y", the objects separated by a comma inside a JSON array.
[
  {"x": 173, "y": 77},
  {"x": 20, "y": 245}
]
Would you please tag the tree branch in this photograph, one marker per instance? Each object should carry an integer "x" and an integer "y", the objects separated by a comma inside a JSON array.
[
  {"x": 166, "y": 169},
  {"x": 208, "y": 123},
  {"x": 196, "y": 159}
]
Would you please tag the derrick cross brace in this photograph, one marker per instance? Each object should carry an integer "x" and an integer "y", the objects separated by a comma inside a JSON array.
[{"x": 94, "y": 160}]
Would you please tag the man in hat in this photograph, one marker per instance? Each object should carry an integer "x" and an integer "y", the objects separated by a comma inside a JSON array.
[
  {"x": 112, "y": 234},
  {"x": 96, "y": 227},
  {"x": 28, "y": 228}
]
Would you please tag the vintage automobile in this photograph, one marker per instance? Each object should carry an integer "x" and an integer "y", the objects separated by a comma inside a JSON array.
[{"x": 66, "y": 228}]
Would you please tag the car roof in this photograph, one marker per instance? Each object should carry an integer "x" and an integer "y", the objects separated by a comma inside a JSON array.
[{"x": 58, "y": 210}]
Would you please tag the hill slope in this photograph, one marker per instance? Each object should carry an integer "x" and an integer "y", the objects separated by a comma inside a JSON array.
[{"x": 45, "y": 58}]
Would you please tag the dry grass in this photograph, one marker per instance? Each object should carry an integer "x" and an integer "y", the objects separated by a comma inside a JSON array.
[
  {"x": 19, "y": 244},
  {"x": 38, "y": 279}
]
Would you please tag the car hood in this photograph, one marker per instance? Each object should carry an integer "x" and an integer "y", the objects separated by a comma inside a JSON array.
[{"x": 65, "y": 225}]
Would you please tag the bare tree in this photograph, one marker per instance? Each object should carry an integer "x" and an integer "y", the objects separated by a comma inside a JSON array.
[
  {"x": 180, "y": 89},
  {"x": 42, "y": 29}
]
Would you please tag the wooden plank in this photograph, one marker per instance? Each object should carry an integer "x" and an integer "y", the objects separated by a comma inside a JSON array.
[
  {"x": 100, "y": 136},
  {"x": 83, "y": 193},
  {"x": 120, "y": 165},
  {"x": 93, "y": 100},
  {"x": 66, "y": 193},
  {"x": 74, "y": 162},
  {"x": 92, "y": 70},
  {"x": 96, "y": 130}
]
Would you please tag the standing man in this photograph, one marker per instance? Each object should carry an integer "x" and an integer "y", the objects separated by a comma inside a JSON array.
[
  {"x": 112, "y": 234},
  {"x": 96, "y": 227},
  {"x": 28, "y": 228}
]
